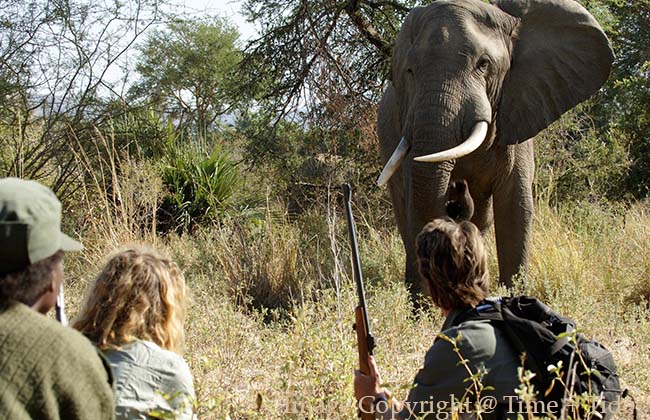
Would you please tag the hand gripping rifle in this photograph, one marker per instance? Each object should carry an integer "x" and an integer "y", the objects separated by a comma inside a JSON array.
[{"x": 365, "y": 340}]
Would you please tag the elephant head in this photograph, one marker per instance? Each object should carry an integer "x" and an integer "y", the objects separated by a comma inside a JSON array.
[{"x": 470, "y": 77}]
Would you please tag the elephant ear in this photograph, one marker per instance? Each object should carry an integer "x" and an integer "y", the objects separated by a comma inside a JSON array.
[{"x": 560, "y": 58}]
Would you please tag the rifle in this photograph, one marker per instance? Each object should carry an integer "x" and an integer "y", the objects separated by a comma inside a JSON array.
[
  {"x": 59, "y": 308},
  {"x": 365, "y": 339}
]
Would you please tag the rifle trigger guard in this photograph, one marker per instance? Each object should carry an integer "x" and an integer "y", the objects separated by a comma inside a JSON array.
[{"x": 371, "y": 344}]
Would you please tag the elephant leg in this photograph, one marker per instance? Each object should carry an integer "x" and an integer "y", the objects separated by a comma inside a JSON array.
[
  {"x": 397, "y": 197},
  {"x": 413, "y": 281},
  {"x": 396, "y": 189},
  {"x": 513, "y": 215},
  {"x": 483, "y": 216},
  {"x": 400, "y": 208},
  {"x": 513, "y": 209}
]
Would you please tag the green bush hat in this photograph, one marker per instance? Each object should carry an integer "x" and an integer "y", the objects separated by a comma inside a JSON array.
[{"x": 30, "y": 225}]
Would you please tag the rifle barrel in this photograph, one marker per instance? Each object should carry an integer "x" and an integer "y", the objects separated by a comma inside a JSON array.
[
  {"x": 356, "y": 266},
  {"x": 60, "y": 308}
]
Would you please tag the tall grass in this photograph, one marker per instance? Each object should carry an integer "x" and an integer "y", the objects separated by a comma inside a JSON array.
[{"x": 269, "y": 329}]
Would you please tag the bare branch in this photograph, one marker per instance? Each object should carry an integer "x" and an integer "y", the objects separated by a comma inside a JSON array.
[{"x": 367, "y": 29}]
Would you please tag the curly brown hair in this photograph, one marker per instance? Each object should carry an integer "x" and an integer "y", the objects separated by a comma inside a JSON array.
[
  {"x": 27, "y": 285},
  {"x": 453, "y": 262},
  {"x": 139, "y": 295}
]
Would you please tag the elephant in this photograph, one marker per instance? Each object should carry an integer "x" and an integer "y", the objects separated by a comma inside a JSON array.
[{"x": 471, "y": 83}]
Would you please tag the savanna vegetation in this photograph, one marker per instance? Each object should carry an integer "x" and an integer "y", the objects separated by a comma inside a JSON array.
[{"x": 228, "y": 154}]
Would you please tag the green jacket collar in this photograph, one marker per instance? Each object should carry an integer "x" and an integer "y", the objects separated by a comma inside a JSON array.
[{"x": 454, "y": 318}]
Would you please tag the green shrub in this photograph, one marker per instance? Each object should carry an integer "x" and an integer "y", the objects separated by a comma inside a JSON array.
[
  {"x": 140, "y": 132},
  {"x": 575, "y": 161},
  {"x": 200, "y": 186},
  {"x": 305, "y": 164}
]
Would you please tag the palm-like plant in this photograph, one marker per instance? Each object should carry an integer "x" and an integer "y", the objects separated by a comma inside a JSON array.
[{"x": 201, "y": 186}]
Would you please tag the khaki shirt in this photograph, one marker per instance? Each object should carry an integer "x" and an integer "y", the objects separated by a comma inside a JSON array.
[
  {"x": 443, "y": 379},
  {"x": 150, "y": 381}
]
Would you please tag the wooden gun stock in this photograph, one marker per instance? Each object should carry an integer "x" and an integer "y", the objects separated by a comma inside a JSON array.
[{"x": 362, "y": 340}]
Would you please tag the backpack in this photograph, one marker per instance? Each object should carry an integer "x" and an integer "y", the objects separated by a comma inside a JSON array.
[{"x": 549, "y": 339}]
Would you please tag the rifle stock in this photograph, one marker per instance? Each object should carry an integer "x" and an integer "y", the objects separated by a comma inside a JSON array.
[
  {"x": 365, "y": 340},
  {"x": 362, "y": 342}
]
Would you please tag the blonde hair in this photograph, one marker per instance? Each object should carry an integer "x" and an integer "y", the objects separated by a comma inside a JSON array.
[
  {"x": 453, "y": 262},
  {"x": 139, "y": 294}
]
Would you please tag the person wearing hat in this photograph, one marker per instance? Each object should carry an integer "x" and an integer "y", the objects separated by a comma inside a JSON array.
[{"x": 47, "y": 371}]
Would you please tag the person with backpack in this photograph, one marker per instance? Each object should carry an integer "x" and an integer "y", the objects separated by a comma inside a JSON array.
[
  {"x": 478, "y": 363},
  {"x": 47, "y": 370},
  {"x": 453, "y": 264}
]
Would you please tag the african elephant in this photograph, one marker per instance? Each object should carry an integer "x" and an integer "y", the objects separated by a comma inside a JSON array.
[{"x": 471, "y": 84}]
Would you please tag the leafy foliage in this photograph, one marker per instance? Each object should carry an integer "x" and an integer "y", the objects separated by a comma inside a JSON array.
[
  {"x": 306, "y": 48},
  {"x": 138, "y": 131},
  {"x": 628, "y": 107},
  {"x": 576, "y": 161},
  {"x": 303, "y": 164},
  {"x": 200, "y": 184}
]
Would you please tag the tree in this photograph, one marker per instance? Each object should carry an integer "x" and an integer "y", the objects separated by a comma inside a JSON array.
[
  {"x": 322, "y": 64},
  {"x": 628, "y": 107},
  {"x": 188, "y": 72},
  {"x": 55, "y": 58},
  {"x": 307, "y": 48}
]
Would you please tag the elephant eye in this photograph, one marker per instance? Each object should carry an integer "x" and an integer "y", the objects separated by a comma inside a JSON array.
[{"x": 483, "y": 64}]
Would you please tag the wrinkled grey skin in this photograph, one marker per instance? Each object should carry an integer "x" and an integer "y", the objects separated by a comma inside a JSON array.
[{"x": 517, "y": 65}]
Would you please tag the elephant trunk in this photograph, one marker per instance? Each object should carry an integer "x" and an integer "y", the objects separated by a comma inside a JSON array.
[
  {"x": 426, "y": 197},
  {"x": 429, "y": 181},
  {"x": 444, "y": 129},
  {"x": 428, "y": 190}
]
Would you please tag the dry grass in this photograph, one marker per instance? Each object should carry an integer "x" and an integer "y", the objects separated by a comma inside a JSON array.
[{"x": 590, "y": 263}]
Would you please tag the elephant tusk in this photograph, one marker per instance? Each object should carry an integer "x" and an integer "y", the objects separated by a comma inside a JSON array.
[
  {"x": 393, "y": 163},
  {"x": 468, "y": 146}
]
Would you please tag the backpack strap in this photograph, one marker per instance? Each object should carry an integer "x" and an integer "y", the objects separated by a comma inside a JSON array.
[
  {"x": 493, "y": 311},
  {"x": 489, "y": 309},
  {"x": 557, "y": 346},
  {"x": 626, "y": 394}
]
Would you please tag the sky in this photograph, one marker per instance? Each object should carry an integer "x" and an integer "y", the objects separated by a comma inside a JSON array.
[
  {"x": 225, "y": 8},
  {"x": 198, "y": 8}
]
